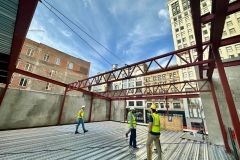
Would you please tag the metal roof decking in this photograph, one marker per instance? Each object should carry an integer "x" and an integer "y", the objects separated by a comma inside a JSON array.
[
  {"x": 8, "y": 13},
  {"x": 105, "y": 140}
]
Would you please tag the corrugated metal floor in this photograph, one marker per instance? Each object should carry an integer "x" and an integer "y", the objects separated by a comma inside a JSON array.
[{"x": 105, "y": 140}]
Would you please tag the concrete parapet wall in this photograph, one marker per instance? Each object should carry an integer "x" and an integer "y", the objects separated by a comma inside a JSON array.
[
  {"x": 24, "y": 109},
  {"x": 233, "y": 75},
  {"x": 117, "y": 112}
]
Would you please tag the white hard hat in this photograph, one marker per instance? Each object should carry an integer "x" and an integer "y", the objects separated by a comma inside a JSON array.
[
  {"x": 83, "y": 106},
  {"x": 132, "y": 108}
]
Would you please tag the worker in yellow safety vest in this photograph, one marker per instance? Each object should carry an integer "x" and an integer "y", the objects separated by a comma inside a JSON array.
[
  {"x": 80, "y": 120},
  {"x": 154, "y": 133},
  {"x": 132, "y": 126}
]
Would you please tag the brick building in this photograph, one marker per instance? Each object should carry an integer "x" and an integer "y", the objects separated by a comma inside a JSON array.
[{"x": 48, "y": 62}]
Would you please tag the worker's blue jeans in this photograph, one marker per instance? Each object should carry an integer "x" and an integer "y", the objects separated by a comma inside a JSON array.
[
  {"x": 133, "y": 136},
  {"x": 80, "y": 121}
]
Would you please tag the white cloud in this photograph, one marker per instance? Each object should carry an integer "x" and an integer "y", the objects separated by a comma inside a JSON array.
[
  {"x": 66, "y": 33},
  {"x": 163, "y": 13}
]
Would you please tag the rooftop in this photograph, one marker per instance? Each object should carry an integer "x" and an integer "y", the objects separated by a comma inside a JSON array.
[{"x": 105, "y": 140}]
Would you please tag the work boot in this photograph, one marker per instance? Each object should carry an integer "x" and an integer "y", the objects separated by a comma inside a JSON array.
[
  {"x": 135, "y": 147},
  {"x": 126, "y": 135},
  {"x": 76, "y": 132},
  {"x": 85, "y": 131}
]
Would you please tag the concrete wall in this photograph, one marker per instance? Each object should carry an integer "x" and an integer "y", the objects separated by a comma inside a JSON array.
[
  {"x": 117, "y": 113},
  {"x": 23, "y": 109},
  {"x": 233, "y": 74}
]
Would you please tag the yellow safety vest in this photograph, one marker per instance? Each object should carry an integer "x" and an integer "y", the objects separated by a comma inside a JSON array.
[
  {"x": 156, "y": 123},
  {"x": 134, "y": 123},
  {"x": 80, "y": 114}
]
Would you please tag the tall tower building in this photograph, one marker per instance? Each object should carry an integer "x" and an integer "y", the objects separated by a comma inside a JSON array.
[{"x": 183, "y": 36}]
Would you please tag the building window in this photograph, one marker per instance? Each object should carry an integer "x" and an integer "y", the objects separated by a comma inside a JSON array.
[
  {"x": 237, "y": 46},
  {"x": 23, "y": 82},
  {"x": 232, "y": 31},
  {"x": 190, "y": 74},
  {"x": 224, "y": 33},
  {"x": 184, "y": 39},
  {"x": 179, "y": 41},
  {"x": 185, "y": 4},
  {"x": 130, "y": 103},
  {"x": 175, "y": 8},
  {"x": 229, "y": 49},
  {"x": 48, "y": 86},
  {"x": 46, "y": 57},
  {"x": 231, "y": 56},
  {"x": 28, "y": 67},
  {"x": 204, "y": 4},
  {"x": 181, "y": 27},
  {"x": 70, "y": 66},
  {"x": 138, "y": 83},
  {"x": 139, "y": 103},
  {"x": 52, "y": 73},
  {"x": 30, "y": 52},
  {"x": 191, "y": 37},
  {"x": 177, "y": 29},
  {"x": 189, "y": 31},
  {"x": 58, "y": 61},
  {"x": 229, "y": 23},
  {"x": 176, "y": 105},
  {"x": 238, "y": 19},
  {"x": 205, "y": 32},
  {"x": 161, "y": 105}
]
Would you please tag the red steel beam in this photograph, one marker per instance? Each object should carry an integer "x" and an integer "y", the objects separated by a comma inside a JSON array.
[
  {"x": 219, "y": 116},
  {"x": 224, "y": 42},
  {"x": 156, "y": 97},
  {"x": 226, "y": 64},
  {"x": 156, "y": 89},
  {"x": 62, "y": 106},
  {"x": 219, "y": 9},
  {"x": 90, "y": 110},
  {"x": 24, "y": 17},
  {"x": 150, "y": 95},
  {"x": 196, "y": 18},
  {"x": 29, "y": 74},
  {"x": 228, "y": 94},
  {"x": 232, "y": 8},
  {"x": 78, "y": 84}
]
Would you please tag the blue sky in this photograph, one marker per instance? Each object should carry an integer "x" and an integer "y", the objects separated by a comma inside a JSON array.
[{"x": 133, "y": 29}]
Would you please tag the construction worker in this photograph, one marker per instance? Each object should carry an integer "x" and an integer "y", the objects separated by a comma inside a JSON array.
[
  {"x": 132, "y": 126},
  {"x": 80, "y": 120},
  {"x": 154, "y": 133}
]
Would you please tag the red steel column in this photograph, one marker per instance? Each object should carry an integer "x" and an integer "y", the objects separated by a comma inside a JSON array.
[
  {"x": 228, "y": 94},
  {"x": 62, "y": 106},
  {"x": 90, "y": 110},
  {"x": 110, "y": 110},
  {"x": 223, "y": 130}
]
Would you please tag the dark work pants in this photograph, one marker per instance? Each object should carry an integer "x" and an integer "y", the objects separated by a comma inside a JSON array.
[
  {"x": 133, "y": 136},
  {"x": 80, "y": 121}
]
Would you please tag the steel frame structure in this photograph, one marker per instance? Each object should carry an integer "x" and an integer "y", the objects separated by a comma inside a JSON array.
[{"x": 220, "y": 9}]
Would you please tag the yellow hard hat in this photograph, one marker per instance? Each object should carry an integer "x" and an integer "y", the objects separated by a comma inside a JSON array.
[{"x": 153, "y": 106}]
